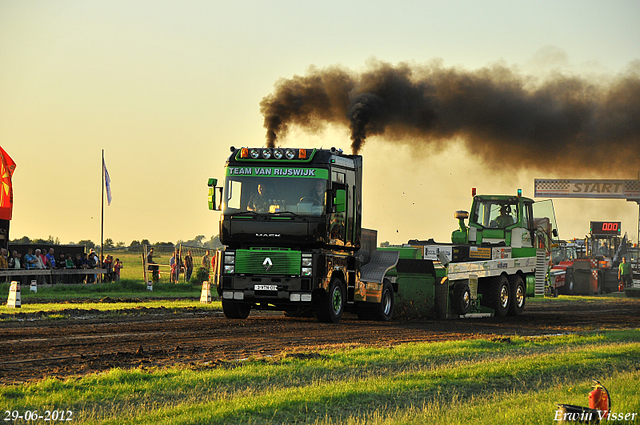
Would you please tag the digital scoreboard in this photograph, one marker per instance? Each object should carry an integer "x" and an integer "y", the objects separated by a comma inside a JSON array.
[{"x": 605, "y": 228}]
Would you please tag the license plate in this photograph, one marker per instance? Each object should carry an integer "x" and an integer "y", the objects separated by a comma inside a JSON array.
[{"x": 265, "y": 287}]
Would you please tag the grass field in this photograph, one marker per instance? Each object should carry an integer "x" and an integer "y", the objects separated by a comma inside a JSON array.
[
  {"x": 518, "y": 380},
  {"x": 125, "y": 294}
]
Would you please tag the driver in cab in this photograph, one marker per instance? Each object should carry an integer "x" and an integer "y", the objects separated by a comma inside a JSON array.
[
  {"x": 316, "y": 196},
  {"x": 505, "y": 219},
  {"x": 258, "y": 201}
]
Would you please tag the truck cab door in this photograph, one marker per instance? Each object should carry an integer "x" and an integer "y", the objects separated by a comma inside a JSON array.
[{"x": 339, "y": 210}]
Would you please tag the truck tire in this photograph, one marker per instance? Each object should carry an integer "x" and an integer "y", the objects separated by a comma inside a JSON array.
[
  {"x": 569, "y": 284},
  {"x": 235, "y": 310},
  {"x": 518, "y": 295},
  {"x": 499, "y": 296},
  {"x": 383, "y": 312},
  {"x": 461, "y": 301},
  {"x": 331, "y": 304}
]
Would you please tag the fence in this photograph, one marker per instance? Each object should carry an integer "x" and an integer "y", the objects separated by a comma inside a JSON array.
[
  {"x": 153, "y": 271},
  {"x": 53, "y": 275}
]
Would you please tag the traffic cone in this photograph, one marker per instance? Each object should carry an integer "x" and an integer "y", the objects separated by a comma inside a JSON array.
[
  {"x": 14, "y": 296},
  {"x": 205, "y": 295}
]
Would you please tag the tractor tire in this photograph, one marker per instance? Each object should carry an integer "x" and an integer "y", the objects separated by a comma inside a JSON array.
[
  {"x": 461, "y": 300},
  {"x": 499, "y": 296},
  {"x": 518, "y": 295},
  {"x": 330, "y": 305},
  {"x": 235, "y": 310},
  {"x": 383, "y": 312}
]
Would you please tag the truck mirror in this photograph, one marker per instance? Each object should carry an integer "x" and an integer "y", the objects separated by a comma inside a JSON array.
[
  {"x": 212, "y": 195},
  {"x": 340, "y": 200}
]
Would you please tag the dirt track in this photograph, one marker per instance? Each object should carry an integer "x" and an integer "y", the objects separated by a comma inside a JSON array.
[{"x": 33, "y": 349}]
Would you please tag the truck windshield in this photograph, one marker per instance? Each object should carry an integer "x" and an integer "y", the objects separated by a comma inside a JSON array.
[
  {"x": 270, "y": 195},
  {"x": 496, "y": 214}
]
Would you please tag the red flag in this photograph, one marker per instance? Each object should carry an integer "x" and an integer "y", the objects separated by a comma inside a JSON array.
[{"x": 6, "y": 189}]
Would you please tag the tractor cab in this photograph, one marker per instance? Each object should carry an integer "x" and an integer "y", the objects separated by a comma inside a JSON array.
[
  {"x": 496, "y": 220},
  {"x": 507, "y": 221}
]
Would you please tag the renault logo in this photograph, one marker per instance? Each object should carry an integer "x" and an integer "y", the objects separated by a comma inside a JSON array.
[{"x": 267, "y": 264}]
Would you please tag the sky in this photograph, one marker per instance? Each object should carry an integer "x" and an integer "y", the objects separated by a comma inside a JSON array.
[{"x": 166, "y": 87}]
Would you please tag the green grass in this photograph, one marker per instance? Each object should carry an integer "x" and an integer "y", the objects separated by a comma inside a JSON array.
[
  {"x": 66, "y": 310},
  {"x": 456, "y": 382},
  {"x": 127, "y": 288},
  {"x": 125, "y": 294}
]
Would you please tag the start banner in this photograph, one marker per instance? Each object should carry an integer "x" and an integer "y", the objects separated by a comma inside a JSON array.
[{"x": 585, "y": 188}]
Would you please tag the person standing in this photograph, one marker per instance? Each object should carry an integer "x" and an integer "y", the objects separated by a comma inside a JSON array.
[
  {"x": 624, "y": 273},
  {"x": 39, "y": 265},
  {"x": 155, "y": 275},
  {"x": 172, "y": 267},
  {"x": 14, "y": 261},
  {"x": 116, "y": 269},
  {"x": 206, "y": 261},
  {"x": 50, "y": 263},
  {"x": 188, "y": 265}
]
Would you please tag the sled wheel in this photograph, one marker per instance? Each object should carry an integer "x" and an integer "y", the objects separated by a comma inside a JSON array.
[
  {"x": 499, "y": 296},
  {"x": 461, "y": 301},
  {"x": 518, "y": 295}
]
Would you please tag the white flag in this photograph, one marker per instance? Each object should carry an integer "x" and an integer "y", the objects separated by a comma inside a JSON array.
[{"x": 107, "y": 182}]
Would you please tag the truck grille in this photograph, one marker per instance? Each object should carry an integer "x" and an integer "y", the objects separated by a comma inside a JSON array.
[{"x": 268, "y": 261}]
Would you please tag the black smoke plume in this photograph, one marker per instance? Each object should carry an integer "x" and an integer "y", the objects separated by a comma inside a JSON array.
[{"x": 501, "y": 115}]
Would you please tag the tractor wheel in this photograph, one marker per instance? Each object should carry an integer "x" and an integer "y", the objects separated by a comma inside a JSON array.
[
  {"x": 518, "y": 295},
  {"x": 235, "y": 310},
  {"x": 461, "y": 301},
  {"x": 499, "y": 296},
  {"x": 331, "y": 305}
]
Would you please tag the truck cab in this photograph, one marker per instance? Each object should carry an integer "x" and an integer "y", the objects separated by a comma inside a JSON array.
[{"x": 291, "y": 226}]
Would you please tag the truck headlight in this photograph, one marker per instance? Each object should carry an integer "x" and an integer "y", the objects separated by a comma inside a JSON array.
[
  {"x": 307, "y": 261},
  {"x": 229, "y": 269},
  {"x": 229, "y": 259},
  {"x": 306, "y": 271}
]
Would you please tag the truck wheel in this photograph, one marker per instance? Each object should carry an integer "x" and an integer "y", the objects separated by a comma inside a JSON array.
[
  {"x": 235, "y": 310},
  {"x": 383, "y": 312},
  {"x": 518, "y": 295},
  {"x": 569, "y": 284},
  {"x": 331, "y": 305},
  {"x": 461, "y": 301},
  {"x": 499, "y": 296}
]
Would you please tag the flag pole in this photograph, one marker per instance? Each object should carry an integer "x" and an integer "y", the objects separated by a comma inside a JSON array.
[{"x": 102, "y": 219}]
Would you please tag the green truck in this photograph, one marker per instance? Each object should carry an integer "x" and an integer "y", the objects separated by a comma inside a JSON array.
[{"x": 291, "y": 225}]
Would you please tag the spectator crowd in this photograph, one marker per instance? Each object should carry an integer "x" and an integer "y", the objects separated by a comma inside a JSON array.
[{"x": 40, "y": 260}]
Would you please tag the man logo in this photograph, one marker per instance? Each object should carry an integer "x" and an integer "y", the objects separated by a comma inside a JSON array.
[{"x": 267, "y": 264}]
